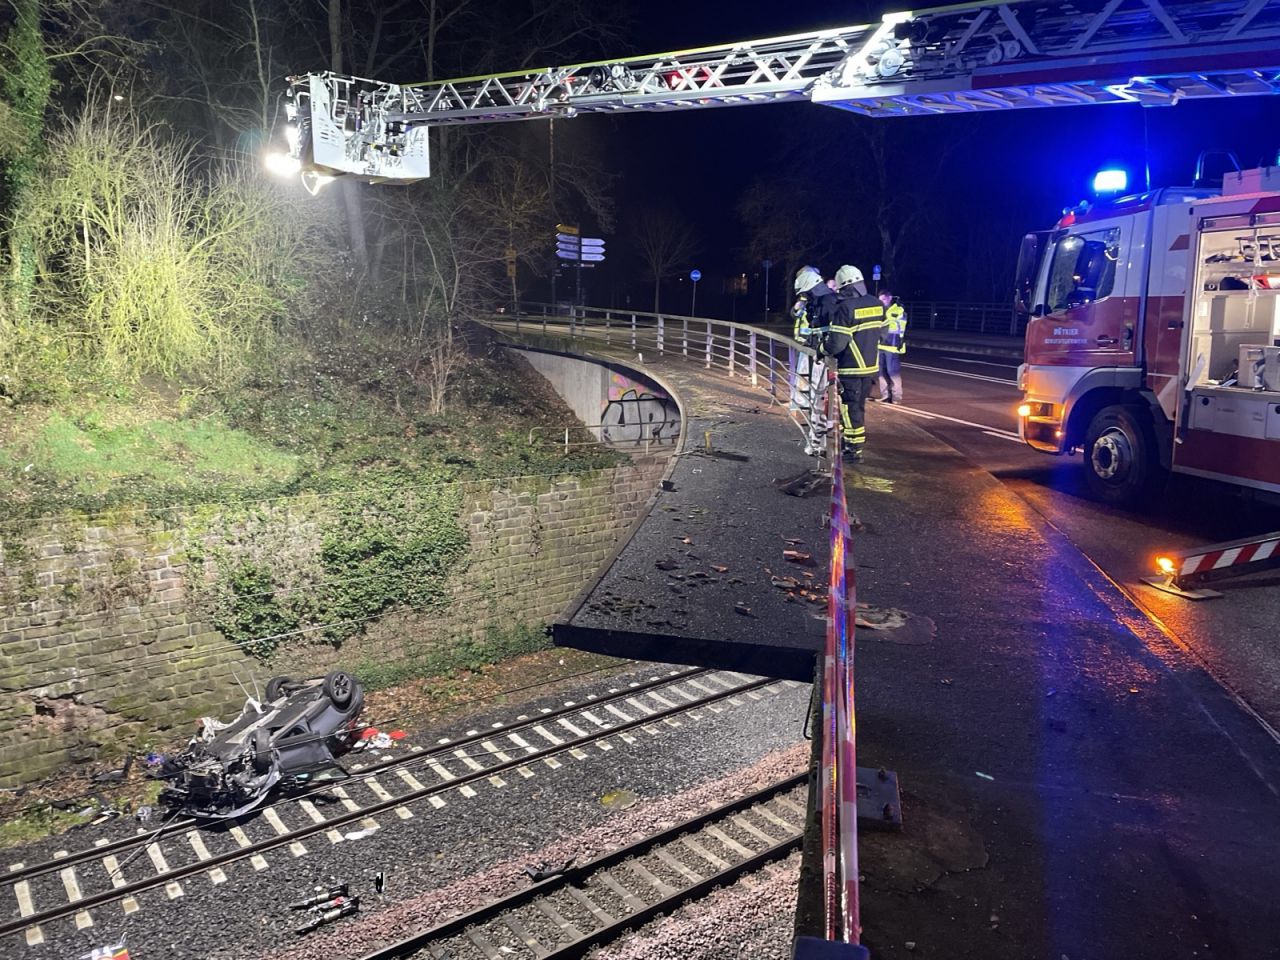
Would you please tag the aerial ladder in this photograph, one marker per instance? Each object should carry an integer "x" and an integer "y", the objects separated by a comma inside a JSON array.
[{"x": 958, "y": 59}]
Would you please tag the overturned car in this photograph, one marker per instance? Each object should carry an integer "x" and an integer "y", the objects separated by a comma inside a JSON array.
[{"x": 301, "y": 727}]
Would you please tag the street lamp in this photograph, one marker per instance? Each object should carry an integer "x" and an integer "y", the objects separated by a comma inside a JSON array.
[{"x": 766, "y": 264}]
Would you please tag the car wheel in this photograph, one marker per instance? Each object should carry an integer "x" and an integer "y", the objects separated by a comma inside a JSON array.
[
  {"x": 261, "y": 750},
  {"x": 1120, "y": 459},
  {"x": 340, "y": 687},
  {"x": 277, "y": 686}
]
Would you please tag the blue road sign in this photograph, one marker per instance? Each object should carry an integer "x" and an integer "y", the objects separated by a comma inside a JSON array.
[
  {"x": 566, "y": 238},
  {"x": 695, "y": 275},
  {"x": 589, "y": 242},
  {"x": 875, "y": 272}
]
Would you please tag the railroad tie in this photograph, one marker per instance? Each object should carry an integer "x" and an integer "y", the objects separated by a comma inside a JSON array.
[
  {"x": 485, "y": 947},
  {"x": 664, "y": 889},
  {"x": 634, "y": 903},
  {"x": 677, "y": 866},
  {"x": 704, "y": 853},
  {"x": 548, "y": 910},
  {"x": 522, "y": 932},
  {"x": 601, "y": 917}
]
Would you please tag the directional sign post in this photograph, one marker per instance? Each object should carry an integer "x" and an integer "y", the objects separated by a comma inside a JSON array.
[
  {"x": 875, "y": 275},
  {"x": 695, "y": 276}
]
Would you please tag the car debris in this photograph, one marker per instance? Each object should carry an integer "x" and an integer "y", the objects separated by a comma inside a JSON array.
[
  {"x": 321, "y": 896},
  {"x": 300, "y": 727},
  {"x": 328, "y": 911}
]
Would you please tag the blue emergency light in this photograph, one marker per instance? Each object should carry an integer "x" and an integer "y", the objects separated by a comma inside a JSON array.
[{"x": 1110, "y": 181}]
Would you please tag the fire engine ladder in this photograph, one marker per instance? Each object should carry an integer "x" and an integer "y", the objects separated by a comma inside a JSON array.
[{"x": 957, "y": 59}]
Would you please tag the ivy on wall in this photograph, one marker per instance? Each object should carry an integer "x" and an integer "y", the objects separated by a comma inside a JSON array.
[{"x": 332, "y": 564}]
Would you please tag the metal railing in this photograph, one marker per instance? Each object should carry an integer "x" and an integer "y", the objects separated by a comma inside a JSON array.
[
  {"x": 779, "y": 366},
  {"x": 994, "y": 319},
  {"x": 769, "y": 360}
]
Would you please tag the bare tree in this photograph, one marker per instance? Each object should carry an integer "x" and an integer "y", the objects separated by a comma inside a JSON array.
[{"x": 665, "y": 242}]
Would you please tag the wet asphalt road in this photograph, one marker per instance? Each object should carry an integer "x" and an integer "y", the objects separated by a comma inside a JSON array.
[{"x": 1233, "y": 636}]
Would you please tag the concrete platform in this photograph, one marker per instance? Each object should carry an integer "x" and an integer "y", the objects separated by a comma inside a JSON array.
[{"x": 694, "y": 584}]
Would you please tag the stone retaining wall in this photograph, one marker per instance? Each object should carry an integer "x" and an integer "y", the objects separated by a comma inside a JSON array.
[{"x": 106, "y": 637}]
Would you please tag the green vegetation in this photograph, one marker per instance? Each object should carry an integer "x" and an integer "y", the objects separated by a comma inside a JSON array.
[{"x": 460, "y": 653}]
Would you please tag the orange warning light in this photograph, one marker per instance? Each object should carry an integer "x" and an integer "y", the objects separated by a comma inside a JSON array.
[
  {"x": 1024, "y": 410},
  {"x": 1166, "y": 566}
]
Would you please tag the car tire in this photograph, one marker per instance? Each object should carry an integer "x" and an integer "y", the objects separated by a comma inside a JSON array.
[
  {"x": 1120, "y": 456},
  {"x": 340, "y": 688},
  {"x": 261, "y": 750},
  {"x": 276, "y": 686}
]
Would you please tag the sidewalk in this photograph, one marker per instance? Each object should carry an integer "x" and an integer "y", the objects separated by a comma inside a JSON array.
[{"x": 1073, "y": 785}]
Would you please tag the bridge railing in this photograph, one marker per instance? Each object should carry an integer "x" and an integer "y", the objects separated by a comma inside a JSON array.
[
  {"x": 767, "y": 359},
  {"x": 995, "y": 319},
  {"x": 777, "y": 365}
]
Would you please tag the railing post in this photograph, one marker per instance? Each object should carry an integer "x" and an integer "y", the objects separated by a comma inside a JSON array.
[
  {"x": 661, "y": 332},
  {"x": 684, "y": 337},
  {"x": 633, "y": 331},
  {"x": 755, "y": 378},
  {"x": 608, "y": 316},
  {"x": 773, "y": 380},
  {"x": 732, "y": 349},
  {"x": 709, "y": 344}
]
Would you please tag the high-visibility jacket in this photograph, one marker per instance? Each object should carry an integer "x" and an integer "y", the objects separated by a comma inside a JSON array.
[
  {"x": 894, "y": 338},
  {"x": 854, "y": 335},
  {"x": 813, "y": 313}
]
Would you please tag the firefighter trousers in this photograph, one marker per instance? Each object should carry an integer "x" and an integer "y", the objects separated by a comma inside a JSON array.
[{"x": 853, "y": 407}]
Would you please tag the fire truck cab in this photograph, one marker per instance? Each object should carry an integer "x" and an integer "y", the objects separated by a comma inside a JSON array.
[{"x": 1153, "y": 336}]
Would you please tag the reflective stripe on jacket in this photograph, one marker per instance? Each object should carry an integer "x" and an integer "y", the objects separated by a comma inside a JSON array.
[
  {"x": 894, "y": 339},
  {"x": 855, "y": 334}
]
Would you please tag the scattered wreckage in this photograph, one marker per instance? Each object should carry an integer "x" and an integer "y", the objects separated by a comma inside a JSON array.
[{"x": 301, "y": 727}]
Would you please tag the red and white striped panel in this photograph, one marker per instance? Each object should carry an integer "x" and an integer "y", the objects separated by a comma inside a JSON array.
[{"x": 1236, "y": 556}]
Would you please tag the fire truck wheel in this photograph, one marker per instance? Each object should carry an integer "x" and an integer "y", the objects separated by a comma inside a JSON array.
[{"x": 1120, "y": 459}]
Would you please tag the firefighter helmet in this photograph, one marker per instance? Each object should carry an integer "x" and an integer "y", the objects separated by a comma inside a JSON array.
[
  {"x": 847, "y": 275},
  {"x": 807, "y": 279}
]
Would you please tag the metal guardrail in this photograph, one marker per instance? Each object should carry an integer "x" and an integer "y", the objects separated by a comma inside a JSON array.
[
  {"x": 768, "y": 359},
  {"x": 779, "y": 366},
  {"x": 995, "y": 319}
]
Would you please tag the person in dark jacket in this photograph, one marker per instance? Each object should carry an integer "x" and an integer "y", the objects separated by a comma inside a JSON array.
[{"x": 853, "y": 338}]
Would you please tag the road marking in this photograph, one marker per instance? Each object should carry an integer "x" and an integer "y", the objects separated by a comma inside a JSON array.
[
  {"x": 984, "y": 427},
  {"x": 1003, "y": 436},
  {"x": 968, "y": 376},
  {"x": 985, "y": 363}
]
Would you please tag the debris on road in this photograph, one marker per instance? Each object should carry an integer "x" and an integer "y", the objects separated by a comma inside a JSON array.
[
  {"x": 984, "y": 776},
  {"x": 798, "y": 556}
]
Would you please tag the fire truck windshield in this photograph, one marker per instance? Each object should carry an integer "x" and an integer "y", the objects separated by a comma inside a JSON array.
[{"x": 1083, "y": 268}]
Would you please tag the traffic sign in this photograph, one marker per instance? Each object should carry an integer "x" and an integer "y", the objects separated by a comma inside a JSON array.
[
  {"x": 592, "y": 257},
  {"x": 695, "y": 275},
  {"x": 589, "y": 242},
  {"x": 875, "y": 272},
  {"x": 567, "y": 228},
  {"x": 567, "y": 238},
  {"x": 766, "y": 263},
  {"x": 568, "y": 245}
]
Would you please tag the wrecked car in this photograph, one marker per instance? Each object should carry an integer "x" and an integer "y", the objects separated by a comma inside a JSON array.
[{"x": 301, "y": 727}]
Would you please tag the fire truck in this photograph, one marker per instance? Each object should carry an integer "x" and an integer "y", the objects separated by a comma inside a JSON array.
[{"x": 1153, "y": 336}]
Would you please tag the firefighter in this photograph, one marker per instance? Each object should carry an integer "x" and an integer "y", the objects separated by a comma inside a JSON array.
[
  {"x": 853, "y": 339},
  {"x": 813, "y": 311},
  {"x": 893, "y": 344}
]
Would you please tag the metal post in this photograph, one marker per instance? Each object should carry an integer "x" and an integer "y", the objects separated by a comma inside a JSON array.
[
  {"x": 766, "y": 264},
  {"x": 608, "y": 314},
  {"x": 732, "y": 350},
  {"x": 773, "y": 382},
  {"x": 708, "y": 344},
  {"x": 754, "y": 376},
  {"x": 661, "y": 330},
  {"x": 693, "y": 303},
  {"x": 633, "y": 331},
  {"x": 684, "y": 337}
]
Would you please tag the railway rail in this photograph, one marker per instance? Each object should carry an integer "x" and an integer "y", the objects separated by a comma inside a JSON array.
[
  {"x": 389, "y": 786},
  {"x": 584, "y": 906}
]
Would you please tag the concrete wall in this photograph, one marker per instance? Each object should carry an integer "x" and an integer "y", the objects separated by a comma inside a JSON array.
[{"x": 627, "y": 407}]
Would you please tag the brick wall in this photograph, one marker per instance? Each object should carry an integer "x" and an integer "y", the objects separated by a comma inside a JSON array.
[{"x": 106, "y": 645}]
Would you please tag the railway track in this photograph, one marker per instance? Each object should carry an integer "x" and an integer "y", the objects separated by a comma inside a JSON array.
[
  {"x": 566, "y": 915},
  {"x": 95, "y": 877}
]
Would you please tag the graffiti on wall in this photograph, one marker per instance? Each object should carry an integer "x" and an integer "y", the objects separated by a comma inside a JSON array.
[{"x": 637, "y": 413}]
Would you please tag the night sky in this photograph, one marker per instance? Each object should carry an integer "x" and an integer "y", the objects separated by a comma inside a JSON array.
[{"x": 1003, "y": 174}]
